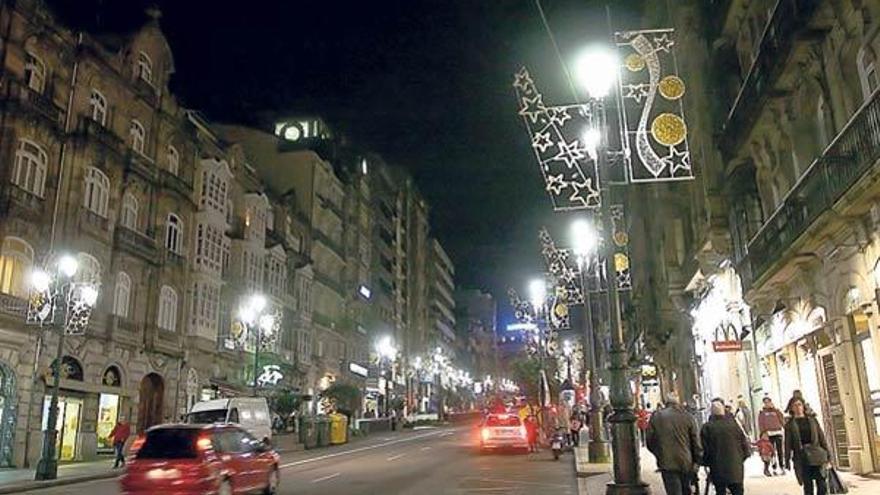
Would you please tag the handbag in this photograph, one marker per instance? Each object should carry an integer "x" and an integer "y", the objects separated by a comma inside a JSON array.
[
  {"x": 815, "y": 455},
  {"x": 835, "y": 485}
]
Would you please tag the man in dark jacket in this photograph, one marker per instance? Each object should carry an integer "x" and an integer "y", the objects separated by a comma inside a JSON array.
[
  {"x": 672, "y": 438},
  {"x": 725, "y": 448}
]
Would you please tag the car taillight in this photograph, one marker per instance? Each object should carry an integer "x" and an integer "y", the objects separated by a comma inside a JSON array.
[
  {"x": 522, "y": 431},
  {"x": 137, "y": 444},
  {"x": 485, "y": 433},
  {"x": 204, "y": 444}
]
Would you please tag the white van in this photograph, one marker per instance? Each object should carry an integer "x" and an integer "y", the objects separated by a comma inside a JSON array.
[{"x": 251, "y": 413}]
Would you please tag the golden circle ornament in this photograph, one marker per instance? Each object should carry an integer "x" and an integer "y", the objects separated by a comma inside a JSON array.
[
  {"x": 671, "y": 87},
  {"x": 634, "y": 62},
  {"x": 621, "y": 239},
  {"x": 621, "y": 262},
  {"x": 668, "y": 129},
  {"x": 561, "y": 310}
]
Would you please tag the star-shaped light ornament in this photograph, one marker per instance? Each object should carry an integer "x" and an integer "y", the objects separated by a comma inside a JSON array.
[
  {"x": 662, "y": 43},
  {"x": 677, "y": 160},
  {"x": 556, "y": 183},
  {"x": 542, "y": 141},
  {"x": 570, "y": 152},
  {"x": 637, "y": 92},
  {"x": 558, "y": 115},
  {"x": 522, "y": 80},
  {"x": 584, "y": 193},
  {"x": 533, "y": 108}
]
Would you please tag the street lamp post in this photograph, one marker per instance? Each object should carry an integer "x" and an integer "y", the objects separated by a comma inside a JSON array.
[
  {"x": 386, "y": 353},
  {"x": 597, "y": 71},
  {"x": 60, "y": 291},
  {"x": 585, "y": 242},
  {"x": 252, "y": 315},
  {"x": 538, "y": 297}
]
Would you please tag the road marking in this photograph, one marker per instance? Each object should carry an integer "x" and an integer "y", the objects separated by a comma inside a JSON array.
[
  {"x": 325, "y": 478},
  {"x": 398, "y": 456},
  {"x": 359, "y": 449},
  {"x": 425, "y": 448}
]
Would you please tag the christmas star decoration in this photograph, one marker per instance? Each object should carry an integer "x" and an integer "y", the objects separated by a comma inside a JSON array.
[
  {"x": 584, "y": 193},
  {"x": 636, "y": 91},
  {"x": 555, "y": 184},
  {"x": 522, "y": 80},
  {"x": 570, "y": 153},
  {"x": 663, "y": 43},
  {"x": 677, "y": 160},
  {"x": 542, "y": 141},
  {"x": 558, "y": 115},
  {"x": 533, "y": 108}
]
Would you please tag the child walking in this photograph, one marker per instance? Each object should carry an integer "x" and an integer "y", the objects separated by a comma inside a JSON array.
[{"x": 766, "y": 451}]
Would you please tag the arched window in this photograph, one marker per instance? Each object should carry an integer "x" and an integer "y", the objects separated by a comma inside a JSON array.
[
  {"x": 122, "y": 296},
  {"x": 145, "y": 67},
  {"x": 29, "y": 172},
  {"x": 167, "y": 319},
  {"x": 89, "y": 269},
  {"x": 173, "y": 159},
  {"x": 174, "y": 234},
  {"x": 16, "y": 258},
  {"x": 867, "y": 65},
  {"x": 98, "y": 107},
  {"x": 138, "y": 136},
  {"x": 129, "y": 216},
  {"x": 97, "y": 191},
  {"x": 35, "y": 73}
]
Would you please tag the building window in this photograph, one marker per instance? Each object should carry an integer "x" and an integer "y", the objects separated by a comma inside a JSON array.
[
  {"x": 167, "y": 319},
  {"x": 206, "y": 306},
  {"x": 173, "y": 159},
  {"x": 35, "y": 73},
  {"x": 16, "y": 258},
  {"x": 174, "y": 234},
  {"x": 252, "y": 267},
  {"x": 276, "y": 275},
  {"x": 145, "y": 67},
  {"x": 138, "y": 136},
  {"x": 210, "y": 247},
  {"x": 122, "y": 296},
  {"x": 98, "y": 107},
  {"x": 29, "y": 172},
  {"x": 213, "y": 192},
  {"x": 129, "y": 216},
  {"x": 867, "y": 65},
  {"x": 89, "y": 271},
  {"x": 97, "y": 192}
]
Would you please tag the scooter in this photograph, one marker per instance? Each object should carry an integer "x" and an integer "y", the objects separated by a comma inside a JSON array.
[{"x": 556, "y": 443}]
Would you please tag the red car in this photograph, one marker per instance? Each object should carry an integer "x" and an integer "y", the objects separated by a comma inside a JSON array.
[{"x": 200, "y": 459}]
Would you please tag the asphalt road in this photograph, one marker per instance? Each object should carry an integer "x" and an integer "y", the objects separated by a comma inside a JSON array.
[{"x": 440, "y": 461}]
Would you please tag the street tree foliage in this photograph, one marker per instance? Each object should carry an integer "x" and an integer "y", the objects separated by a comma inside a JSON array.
[
  {"x": 525, "y": 371},
  {"x": 345, "y": 396}
]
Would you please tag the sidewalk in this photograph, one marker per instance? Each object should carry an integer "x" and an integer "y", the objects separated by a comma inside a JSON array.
[{"x": 592, "y": 479}]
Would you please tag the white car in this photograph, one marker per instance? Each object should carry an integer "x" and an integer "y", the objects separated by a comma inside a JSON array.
[
  {"x": 251, "y": 413},
  {"x": 503, "y": 431}
]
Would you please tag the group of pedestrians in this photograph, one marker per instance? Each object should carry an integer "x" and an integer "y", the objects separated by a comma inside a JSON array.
[{"x": 722, "y": 445}]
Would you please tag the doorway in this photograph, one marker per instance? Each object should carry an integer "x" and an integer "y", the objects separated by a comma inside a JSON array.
[
  {"x": 151, "y": 403},
  {"x": 67, "y": 425}
]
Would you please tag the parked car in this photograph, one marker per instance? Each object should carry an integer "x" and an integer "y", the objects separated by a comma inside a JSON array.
[
  {"x": 200, "y": 459},
  {"x": 251, "y": 413},
  {"x": 498, "y": 431}
]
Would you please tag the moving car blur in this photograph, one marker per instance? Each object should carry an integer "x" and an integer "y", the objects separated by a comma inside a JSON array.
[{"x": 503, "y": 431}]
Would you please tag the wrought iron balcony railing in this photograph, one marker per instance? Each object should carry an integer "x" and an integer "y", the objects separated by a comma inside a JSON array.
[
  {"x": 142, "y": 165},
  {"x": 852, "y": 155},
  {"x": 136, "y": 243},
  {"x": 18, "y": 203},
  {"x": 13, "y": 306},
  {"x": 17, "y": 92},
  {"x": 176, "y": 183},
  {"x": 91, "y": 128},
  {"x": 789, "y": 18}
]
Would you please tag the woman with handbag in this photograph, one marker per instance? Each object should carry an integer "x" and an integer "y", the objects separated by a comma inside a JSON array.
[{"x": 805, "y": 446}]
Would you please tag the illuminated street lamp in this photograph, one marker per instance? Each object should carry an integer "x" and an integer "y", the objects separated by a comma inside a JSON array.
[
  {"x": 596, "y": 71},
  {"x": 264, "y": 325},
  {"x": 50, "y": 292},
  {"x": 585, "y": 243},
  {"x": 538, "y": 298},
  {"x": 386, "y": 353}
]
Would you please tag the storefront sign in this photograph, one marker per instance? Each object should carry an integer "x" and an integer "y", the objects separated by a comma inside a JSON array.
[
  {"x": 727, "y": 345},
  {"x": 357, "y": 369}
]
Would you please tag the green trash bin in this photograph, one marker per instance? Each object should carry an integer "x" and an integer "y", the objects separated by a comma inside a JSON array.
[
  {"x": 308, "y": 432},
  {"x": 322, "y": 425}
]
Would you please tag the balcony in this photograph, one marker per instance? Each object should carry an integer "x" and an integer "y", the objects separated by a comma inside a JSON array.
[
  {"x": 330, "y": 243},
  {"x": 170, "y": 258},
  {"x": 17, "y": 93},
  {"x": 142, "y": 165},
  {"x": 13, "y": 306},
  {"x": 175, "y": 183},
  {"x": 146, "y": 91},
  {"x": 789, "y": 19},
  {"x": 18, "y": 203},
  {"x": 91, "y": 129},
  {"x": 123, "y": 329},
  {"x": 851, "y": 157},
  {"x": 137, "y": 244},
  {"x": 328, "y": 281},
  {"x": 324, "y": 320},
  {"x": 93, "y": 222}
]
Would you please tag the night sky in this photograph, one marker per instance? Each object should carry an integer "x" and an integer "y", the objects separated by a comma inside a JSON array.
[{"x": 425, "y": 83}]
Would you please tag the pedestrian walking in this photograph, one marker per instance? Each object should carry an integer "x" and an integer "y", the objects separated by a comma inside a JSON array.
[
  {"x": 575, "y": 425},
  {"x": 643, "y": 416},
  {"x": 806, "y": 448},
  {"x": 725, "y": 449},
  {"x": 532, "y": 432},
  {"x": 119, "y": 434},
  {"x": 771, "y": 422},
  {"x": 673, "y": 439},
  {"x": 743, "y": 414}
]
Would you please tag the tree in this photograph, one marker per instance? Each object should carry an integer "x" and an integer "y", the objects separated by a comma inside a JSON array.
[
  {"x": 526, "y": 370},
  {"x": 346, "y": 396}
]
